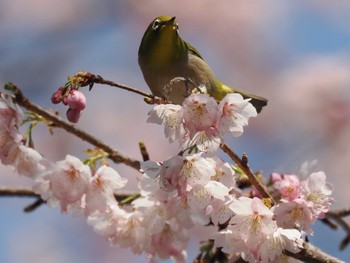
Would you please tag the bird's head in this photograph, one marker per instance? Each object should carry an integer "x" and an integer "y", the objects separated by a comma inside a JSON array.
[{"x": 161, "y": 41}]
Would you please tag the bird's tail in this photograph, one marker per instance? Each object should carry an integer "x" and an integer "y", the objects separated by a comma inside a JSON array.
[{"x": 257, "y": 101}]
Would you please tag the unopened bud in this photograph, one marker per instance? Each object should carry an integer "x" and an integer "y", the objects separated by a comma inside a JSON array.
[
  {"x": 57, "y": 96},
  {"x": 73, "y": 115},
  {"x": 76, "y": 100}
]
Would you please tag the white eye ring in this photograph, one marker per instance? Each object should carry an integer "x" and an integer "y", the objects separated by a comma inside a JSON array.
[{"x": 156, "y": 24}]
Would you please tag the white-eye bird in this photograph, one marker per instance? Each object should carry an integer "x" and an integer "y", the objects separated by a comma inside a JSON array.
[{"x": 164, "y": 56}]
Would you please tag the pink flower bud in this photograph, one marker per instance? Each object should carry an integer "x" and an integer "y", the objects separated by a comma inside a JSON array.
[
  {"x": 64, "y": 101},
  {"x": 73, "y": 115},
  {"x": 76, "y": 100},
  {"x": 275, "y": 177},
  {"x": 57, "y": 96}
]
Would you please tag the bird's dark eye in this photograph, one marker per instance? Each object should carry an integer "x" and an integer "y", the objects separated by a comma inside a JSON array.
[{"x": 156, "y": 24}]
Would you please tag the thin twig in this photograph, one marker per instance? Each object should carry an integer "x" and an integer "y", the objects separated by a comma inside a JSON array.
[
  {"x": 17, "y": 192},
  {"x": 124, "y": 198},
  {"x": 329, "y": 223},
  {"x": 114, "y": 155},
  {"x": 89, "y": 79},
  {"x": 144, "y": 152},
  {"x": 30, "y": 208},
  {"x": 22, "y": 192},
  {"x": 243, "y": 164},
  {"x": 340, "y": 212},
  {"x": 337, "y": 216}
]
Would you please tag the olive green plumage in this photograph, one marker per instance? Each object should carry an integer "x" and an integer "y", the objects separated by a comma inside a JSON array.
[{"x": 164, "y": 56}]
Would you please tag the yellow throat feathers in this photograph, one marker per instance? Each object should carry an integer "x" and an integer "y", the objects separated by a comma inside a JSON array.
[{"x": 165, "y": 48}]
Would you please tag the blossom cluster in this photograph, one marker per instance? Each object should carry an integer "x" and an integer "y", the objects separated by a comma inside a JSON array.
[
  {"x": 301, "y": 202},
  {"x": 194, "y": 187},
  {"x": 201, "y": 121},
  {"x": 78, "y": 189},
  {"x": 207, "y": 188}
]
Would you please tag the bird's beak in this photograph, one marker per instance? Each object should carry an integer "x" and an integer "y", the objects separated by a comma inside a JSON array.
[{"x": 171, "y": 21}]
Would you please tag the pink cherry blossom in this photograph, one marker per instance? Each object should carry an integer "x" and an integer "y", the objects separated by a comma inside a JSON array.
[
  {"x": 171, "y": 241},
  {"x": 252, "y": 223},
  {"x": 253, "y": 232},
  {"x": 235, "y": 112},
  {"x": 252, "y": 218},
  {"x": 294, "y": 214},
  {"x": 316, "y": 192},
  {"x": 275, "y": 177},
  {"x": 223, "y": 172},
  {"x": 10, "y": 119},
  {"x": 171, "y": 116},
  {"x": 100, "y": 193},
  {"x": 31, "y": 163},
  {"x": 220, "y": 211},
  {"x": 42, "y": 188},
  {"x": 195, "y": 170},
  {"x": 207, "y": 141},
  {"x": 200, "y": 113},
  {"x": 69, "y": 181},
  {"x": 10, "y": 114},
  {"x": 106, "y": 223},
  {"x": 131, "y": 233},
  {"x": 289, "y": 187},
  {"x": 181, "y": 172},
  {"x": 273, "y": 246},
  {"x": 201, "y": 198},
  {"x": 9, "y": 148}
]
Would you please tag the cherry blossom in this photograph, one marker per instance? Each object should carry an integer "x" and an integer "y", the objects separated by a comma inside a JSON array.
[
  {"x": 200, "y": 113},
  {"x": 69, "y": 181},
  {"x": 273, "y": 246},
  {"x": 10, "y": 118},
  {"x": 10, "y": 114},
  {"x": 294, "y": 214},
  {"x": 235, "y": 112},
  {"x": 316, "y": 191},
  {"x": 31, "y": 163},
  {"x": 100, "y": 193},
  {"x": 289, "y": 186},
  {"x": 106, "y": 223},
  {"x": 171, "y": 116}
]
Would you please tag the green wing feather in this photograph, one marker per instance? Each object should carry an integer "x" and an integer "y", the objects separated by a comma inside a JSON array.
[
  {"x": 193, "y": 50},
  {"x": 222, "y": 90}
]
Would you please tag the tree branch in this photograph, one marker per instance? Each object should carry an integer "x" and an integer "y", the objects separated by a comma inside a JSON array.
[
  {"x": 114, "y": 155},
  {"x": 312, "y": 254},
  {"x": 123, "y": 198},
  {"x": 337, "y": 216},
  {"x": 243, "y": 164},
  {"x": 17, "y": 192}
]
